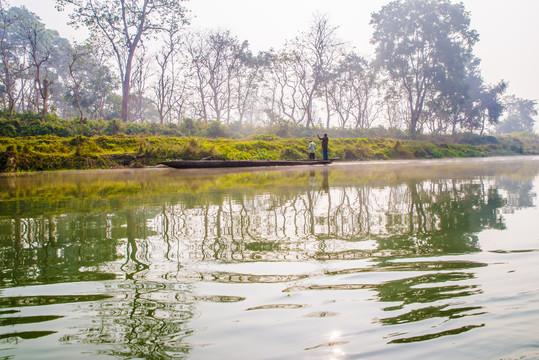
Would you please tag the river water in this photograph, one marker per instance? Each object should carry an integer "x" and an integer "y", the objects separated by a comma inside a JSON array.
[{"x": 380, "y": 260}]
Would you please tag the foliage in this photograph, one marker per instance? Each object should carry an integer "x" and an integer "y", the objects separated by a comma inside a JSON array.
[
  {"x": 424, "y": 46},
  {"x": 210, "y": 84},
  {"x": 50, "y": 152},
  {"x": 139, "y": 21},
  {"x": 519, "y": 117},
  {"x": 29, "y": 124}
]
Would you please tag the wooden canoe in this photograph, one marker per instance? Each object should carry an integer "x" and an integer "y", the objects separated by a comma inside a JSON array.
[{"x": 201, "y": 164}]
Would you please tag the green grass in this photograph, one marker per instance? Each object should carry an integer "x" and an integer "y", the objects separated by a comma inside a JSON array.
[{"x": 54, "y": 153}]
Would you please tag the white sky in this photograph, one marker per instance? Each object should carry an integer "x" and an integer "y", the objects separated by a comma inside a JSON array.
[{"x": 508, "y": 29}]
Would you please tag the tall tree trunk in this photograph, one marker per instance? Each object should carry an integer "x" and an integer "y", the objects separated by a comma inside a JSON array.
[
  {"x": 310, "y": 120},
  {"x": 126, "y": 83},
  {"x": 9, "y": 87},
  {"x": 413, "y": 124},
  {"x": 328, "y": 111},
  {"x": 45, "y": 98},
  {"x": 126, "y": 88}
]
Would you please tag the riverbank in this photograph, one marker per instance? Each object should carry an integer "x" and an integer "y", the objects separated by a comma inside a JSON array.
[{"x": 38, "y": 153}]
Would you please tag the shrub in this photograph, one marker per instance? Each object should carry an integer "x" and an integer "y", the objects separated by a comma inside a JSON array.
[
  {"x": 291, "y": 153},
  {"x": 7, "y": 129},
  {"x": 113, "y": 127}
]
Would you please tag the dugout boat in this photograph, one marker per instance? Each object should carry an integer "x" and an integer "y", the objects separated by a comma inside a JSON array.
[{"x": 203, "y": 164}]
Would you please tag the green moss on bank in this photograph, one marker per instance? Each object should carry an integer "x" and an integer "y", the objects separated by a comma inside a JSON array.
[{"x": 79, "y": 152}]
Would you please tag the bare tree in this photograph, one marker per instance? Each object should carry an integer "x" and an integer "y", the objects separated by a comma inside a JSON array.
[
  {"x": 248, "y": 76},
  {"x": 350, "y": 91},
  {"x": 43, "y": 45},
  {"x": 141, "y": 71},
  {"x": 164, "y": 89},
  {"x": 313, "y": 55},
  {"x": 213, "y": 57},
  {"x": 223, "y": 50},
  {"x": 78, "y": 54},
  {"x": 395, "y": 109},
  {"x": 10, "y": 52},
  {"x": 283, "y": 96},
  {"x": 90, "y": 82},
  {"x": 180, "y": 100},
  {"x": 104, "y": 79},
  {"x": 37, "y": 59},
  {"x": 194, "y": 48},
  {"x": 124, "y": 23}
]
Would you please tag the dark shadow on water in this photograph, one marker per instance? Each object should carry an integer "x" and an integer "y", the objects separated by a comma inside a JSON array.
[
  {"x": 431, "y": 336},
  {"x": 41, "y": 300},
  {"x": 27, "y": 335}
]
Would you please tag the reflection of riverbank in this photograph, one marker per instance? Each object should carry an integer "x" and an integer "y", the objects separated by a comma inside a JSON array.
[
  {"x": 309, "y": 214},
  {"x": 154, "y": 181},
  {"x": 160, "y": 264}
]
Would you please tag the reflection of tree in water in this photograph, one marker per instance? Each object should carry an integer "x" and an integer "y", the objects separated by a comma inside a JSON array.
[
  {"x": 439, "y": 218},
  {"x": 307, "y": 221},
  {"x": 140, "y": 318},
  {"x": 519, "y": 193},
  {"x": 144, "y": 319},
  {"x": 425, "y": 217},
  {"x": 443, "y": 217},
  {"x": 52, "y": 249},
  {"x": 150, "y": 244},
  {"x": 154, "y": 315},
  {"x": 412, "y": 290},
  {"x": 132, "y": 263}
]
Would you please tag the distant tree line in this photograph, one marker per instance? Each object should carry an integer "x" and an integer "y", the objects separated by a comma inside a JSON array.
[{"x": 143, "y": 64}]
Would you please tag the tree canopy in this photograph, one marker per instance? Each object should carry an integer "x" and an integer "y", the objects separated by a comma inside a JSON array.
[
  {"x": 143, "y": 63},
  {"x": 124, "y": 24},
  {"x": 424, "y": 46}
]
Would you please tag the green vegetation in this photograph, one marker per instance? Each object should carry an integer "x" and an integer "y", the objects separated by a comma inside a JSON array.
[
  {"x": 237, "y": 92},
  {"x": 52, "y": 152}
]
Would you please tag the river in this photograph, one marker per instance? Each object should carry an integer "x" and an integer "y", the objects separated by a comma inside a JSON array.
[{"x": 431, "y": 259}]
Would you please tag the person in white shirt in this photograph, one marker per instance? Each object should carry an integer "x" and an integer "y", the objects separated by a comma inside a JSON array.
[{"x": 312, "y": 149}]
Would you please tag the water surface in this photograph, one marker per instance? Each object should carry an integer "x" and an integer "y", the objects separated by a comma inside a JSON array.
[{"x": 405, "y": 260}]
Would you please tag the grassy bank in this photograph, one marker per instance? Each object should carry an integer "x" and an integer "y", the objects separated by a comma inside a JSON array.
[{"x": 79, "y": 152}]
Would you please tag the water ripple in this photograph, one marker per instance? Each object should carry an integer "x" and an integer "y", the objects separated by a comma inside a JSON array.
[
  {"x": 413, "y": 339},
  {"x": 277, "y": 306}
]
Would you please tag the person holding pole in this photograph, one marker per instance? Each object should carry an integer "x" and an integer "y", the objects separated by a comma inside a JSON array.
[{"x": 325, "y": 143}]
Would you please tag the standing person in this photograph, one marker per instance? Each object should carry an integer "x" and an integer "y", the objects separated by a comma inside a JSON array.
[
  {"x": 312, "y": 149},
  {"x": 325, "y": 142}
]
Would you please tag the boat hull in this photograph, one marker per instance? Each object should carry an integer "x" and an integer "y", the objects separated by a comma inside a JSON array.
[{"x": 201, "y": 164}]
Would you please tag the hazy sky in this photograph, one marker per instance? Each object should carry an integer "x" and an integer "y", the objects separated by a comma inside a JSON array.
[{"x": 508, "y": 46}]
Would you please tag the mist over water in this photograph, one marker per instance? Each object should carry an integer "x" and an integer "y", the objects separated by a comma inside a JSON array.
[{"x": 401, "y": 259}]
